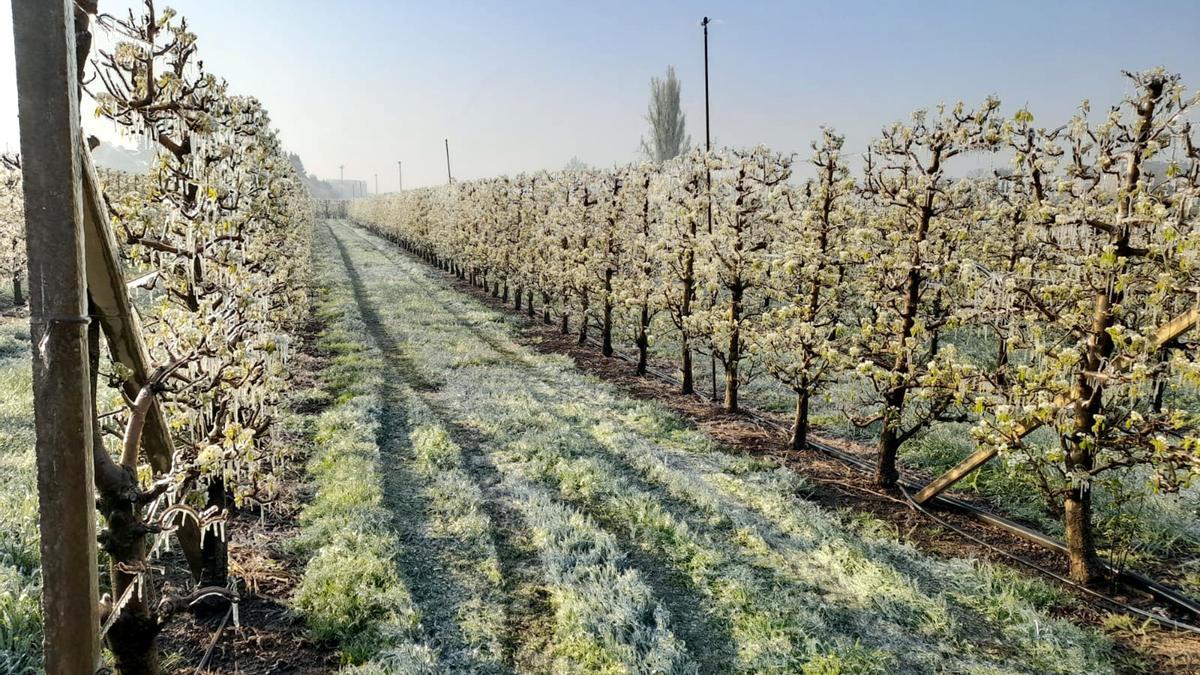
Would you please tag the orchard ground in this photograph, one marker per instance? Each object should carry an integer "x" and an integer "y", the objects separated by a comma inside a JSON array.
[{"x": 481, "y": 505}]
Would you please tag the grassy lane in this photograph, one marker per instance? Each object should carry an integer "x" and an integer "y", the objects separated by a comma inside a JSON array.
[
  {"x": 590, "y": 532},
  {"x": 20, "y": 581},
  {"x": 501, "y": 577}
]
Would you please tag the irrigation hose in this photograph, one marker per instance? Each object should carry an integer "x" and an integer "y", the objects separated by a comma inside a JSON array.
[
  {"x": 1049, "y": 573},
  {"x": 212, "y": 643}
]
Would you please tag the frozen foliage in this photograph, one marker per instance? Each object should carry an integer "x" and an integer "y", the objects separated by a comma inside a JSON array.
[
  {"x": 12, "y": 229},
  {"x": 221, "y": 224}
]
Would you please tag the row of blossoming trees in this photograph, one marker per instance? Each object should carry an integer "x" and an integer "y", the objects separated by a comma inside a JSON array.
[
  {"x": 217, "y": 236},
  {"x": 1065, "y": 264},
  {"x": 12, "y": 227}
]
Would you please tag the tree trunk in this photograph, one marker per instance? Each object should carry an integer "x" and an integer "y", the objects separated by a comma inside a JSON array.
[
  {"x": 712, "y": 366},
  {"x": 889, "y": 438},
  {"x": 606, "y": 329},
  {"x": 685, "y": 310},
  {"x": 734, "y": 353},
  {"x": 583, "y": 319},
  {"x": 504, "y": 298},
  {"x": 643, "y": 339},
  {"x": 685, "y": 365},
  {"x": 799, "y": 440},
  {"x": 545, "y": 308},
  {"x": 215, "y": 553},
  {"x": 1002, "y": 363},
  {"x": 1081, "y": 548},
  {"x": 18, "y": 296},
  {"x": 1081, "y": 458},
  {"x": 529, "y": 304},
  {"x": 517, "y": 295},
  {"x": 1160, "y": 384},
  {"x": 133, "y": 636}
]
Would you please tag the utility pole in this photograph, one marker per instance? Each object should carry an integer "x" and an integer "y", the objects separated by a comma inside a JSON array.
[
  {"x": 707, "y": 135},
  {"x": 400, "y": 171},
  {"x": 712, "y": 358},
  {"x": 48, "y": 106},
  {"x": 449, "y": 176},
  {"x": 341, "y": 181},
  {"x": 377, "y": 184}
]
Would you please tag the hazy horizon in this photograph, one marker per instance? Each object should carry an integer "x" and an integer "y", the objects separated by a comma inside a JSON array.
[{"x": 527, "y": 87}]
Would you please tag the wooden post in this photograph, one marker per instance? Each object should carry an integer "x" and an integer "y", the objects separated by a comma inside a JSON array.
[
  {"x": 123, "y": 328},
  {"x": 121, "y": 324},
  {"x": 44, "y": 35}
]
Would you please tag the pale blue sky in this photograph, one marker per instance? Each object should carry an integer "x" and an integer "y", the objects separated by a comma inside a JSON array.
[{"x": 527, "y": 85}]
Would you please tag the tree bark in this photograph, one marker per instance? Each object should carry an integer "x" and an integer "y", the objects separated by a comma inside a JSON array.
[
  {"x": 583, "y": 319},
  {"x": 1002, "y": 363},
  {"x": 799, "y": 440},
  {"x": 606, "y": 328},
  {"x": 685, "y": 310},
  {"x": 215, "y": 552},
  {"x": 1081, "y": 547},
  {"x": 18, "y": 296},
  {"x": 1160, "y": 384},
  {"x": 734, "y": 354},
  {"x": 889, "y": 438},
  {"x": 133, "y": 636},
  {"x": 685, "y": 365},
  {"x": 643, "y": 339}
]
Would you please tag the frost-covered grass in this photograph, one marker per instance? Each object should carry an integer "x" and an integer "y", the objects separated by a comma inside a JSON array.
[
  {"x": 597, "y": 615},
  {"x": 20, "y": 580},
  {"x": 351, "y": 593},
  {"x": 677, "y": 555}
]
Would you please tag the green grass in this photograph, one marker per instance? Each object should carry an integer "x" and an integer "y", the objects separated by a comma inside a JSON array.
[
  {"x": 423, "y": 494},
  {"x": 657, "y": 550},
  {"x": 351, "y": 593},
  {"x": 20, "y": 581}
]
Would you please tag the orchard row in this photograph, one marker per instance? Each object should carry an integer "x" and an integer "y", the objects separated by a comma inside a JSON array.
[
  {"x": 1067, "y": 266},
  {"x": 215, "y": 238}
]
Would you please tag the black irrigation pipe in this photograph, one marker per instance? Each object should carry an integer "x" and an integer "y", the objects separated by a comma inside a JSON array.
[
  {"x": 1133, "y": 579},
  {"x": 212, "y": 643}
]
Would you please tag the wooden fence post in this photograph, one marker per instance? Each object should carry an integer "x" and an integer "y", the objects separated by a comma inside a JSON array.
[{"x": 44, "y": 35}]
